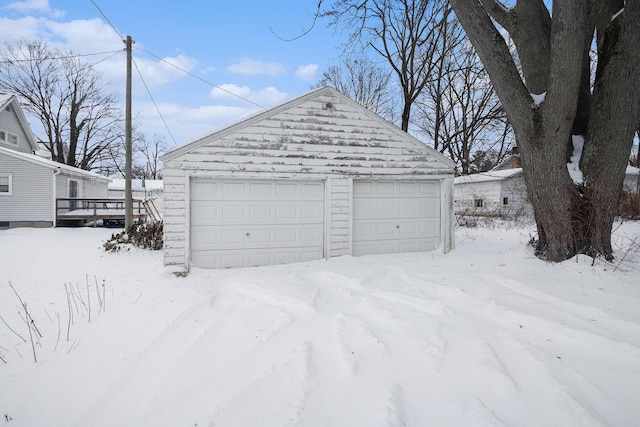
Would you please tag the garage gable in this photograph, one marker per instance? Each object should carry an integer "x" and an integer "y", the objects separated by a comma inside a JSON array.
[{"x": 320, "y": 132}]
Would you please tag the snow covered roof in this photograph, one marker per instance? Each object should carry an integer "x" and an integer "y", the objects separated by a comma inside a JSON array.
[
  {"x": 136, "y": 184},
  {"x": 51, "y": 164},
  {"x": 493, "y": 175}
]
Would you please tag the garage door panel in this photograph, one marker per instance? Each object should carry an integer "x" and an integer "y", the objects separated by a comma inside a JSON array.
[
  {"x": 233, "y": 213},
  {"x": 395, "y": 216},
  {"x": 204, "y": 191},
  {"x": 254, "y": 222},
  {"x": 312, "y": 191},
  {"x": 204, "y": 213},
  {"x": 252, "y": 258}
]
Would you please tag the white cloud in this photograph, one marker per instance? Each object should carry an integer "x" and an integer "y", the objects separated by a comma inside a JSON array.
[
  {"x": 92, "y": 36},
  {"x": 306, "y": 72},
  {"x": 24, "y": 28},
  {"x": 264, "y": 97},
  {"x": 83, "y": 35},
  {"x": 253, "y": 67},
  {"x": 188, "y": 123},
  {"x": 41, "y": 6},
  {"x": 159, "y": 72}
]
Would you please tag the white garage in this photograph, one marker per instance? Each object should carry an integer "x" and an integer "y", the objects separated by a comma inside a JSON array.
[{"x": 316, "y": 177}]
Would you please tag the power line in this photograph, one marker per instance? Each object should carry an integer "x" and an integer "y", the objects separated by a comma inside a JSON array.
[
  {"x": 154, "y": 101},
  {"x": 177, "y": 67},
  {"x": 55, "y": 58},
  {"x": 107, "y": 19},
  {"x": 201, "y": 79}
]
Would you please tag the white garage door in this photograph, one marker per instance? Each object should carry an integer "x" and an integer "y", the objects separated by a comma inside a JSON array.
[
  {"x": 250, "y": 223},
  {"x": 395, "y": 216}
]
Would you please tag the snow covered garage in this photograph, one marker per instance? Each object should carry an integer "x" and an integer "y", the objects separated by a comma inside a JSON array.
[{"x": 316, "y": 177}]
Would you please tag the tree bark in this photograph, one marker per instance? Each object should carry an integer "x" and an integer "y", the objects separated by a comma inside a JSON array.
[
  {"x": 570, "y": 218},
  {"x": 614, "y": 119}
]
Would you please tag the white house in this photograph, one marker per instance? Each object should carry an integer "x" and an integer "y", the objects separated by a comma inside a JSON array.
[
  {"x": 140, "y": 188},
  {"x": 494, "y": 193},
  {"x": 148, "y": 189},
  {"x": 631, "y": 180},
  {"x": 316, "y": 177},
  {"x": 502, "y": 191},
  {"x": 30, "y": 184}
]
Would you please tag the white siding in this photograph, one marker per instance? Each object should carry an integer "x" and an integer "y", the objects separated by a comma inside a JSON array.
[
  {"x": 10, "y": 123},
  {"x": 339, "y": 214},
  {"x": 515, "y": 190},
  {"x": 492, "y": 193},
  {"x": 176, "y": 221},
  {"x": 467, "y": 194},
  {"x": 32, "y": 195}
]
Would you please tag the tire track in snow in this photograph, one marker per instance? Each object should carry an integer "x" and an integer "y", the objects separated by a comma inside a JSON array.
[{"x": 485, "y": 335}]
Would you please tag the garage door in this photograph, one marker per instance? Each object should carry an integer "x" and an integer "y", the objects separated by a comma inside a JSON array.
[
  {"x": 250, "y": 223},
  {"x": 395, "y": 216}
]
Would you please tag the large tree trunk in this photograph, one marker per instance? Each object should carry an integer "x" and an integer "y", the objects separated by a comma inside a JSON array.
[
  {"x": 570, "y": 218},
  {"x": 614, "y": 118}
]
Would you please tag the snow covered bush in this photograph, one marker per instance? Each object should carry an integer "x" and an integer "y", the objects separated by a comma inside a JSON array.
[{"x": 145, "y": 235}]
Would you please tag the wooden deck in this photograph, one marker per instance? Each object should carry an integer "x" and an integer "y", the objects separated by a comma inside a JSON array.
[{"x": 73, "y": 211}]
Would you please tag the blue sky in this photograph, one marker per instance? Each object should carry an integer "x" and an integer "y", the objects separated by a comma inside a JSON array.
[{"x": 228, "y": 43}]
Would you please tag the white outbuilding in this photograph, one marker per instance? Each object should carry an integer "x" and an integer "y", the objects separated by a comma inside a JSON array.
[{"x": 316, "y": 177}]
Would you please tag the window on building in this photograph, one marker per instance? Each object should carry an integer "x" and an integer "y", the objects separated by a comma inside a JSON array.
[
  {"x": 477, "y": 203},
  {"x": 5, "y": 184},
  {"x": 7, "y": 137},
  {"x": 505, "y": 201}
]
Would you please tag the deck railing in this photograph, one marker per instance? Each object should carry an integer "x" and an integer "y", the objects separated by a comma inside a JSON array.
[{"x": 95, "y": 209}]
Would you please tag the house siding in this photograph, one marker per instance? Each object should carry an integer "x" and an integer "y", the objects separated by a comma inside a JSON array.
[
  {"x": 515, "y": 189},
  {"x": 324, "y": 137},
  {"x": 9, "y": 122},
  {"x": 32, "y": 192},
  {"x": 492, "y": 193},
  {"x": 466, "y": 194}
]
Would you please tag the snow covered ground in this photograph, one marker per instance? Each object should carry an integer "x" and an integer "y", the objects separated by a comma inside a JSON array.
[{"x": 486, "y": 335}]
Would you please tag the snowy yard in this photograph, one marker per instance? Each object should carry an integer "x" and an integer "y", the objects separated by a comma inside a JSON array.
[{"x": 486, "y": 335}]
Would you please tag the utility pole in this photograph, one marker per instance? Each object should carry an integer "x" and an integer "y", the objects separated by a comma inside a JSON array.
[{"x": 128, "y": 199}]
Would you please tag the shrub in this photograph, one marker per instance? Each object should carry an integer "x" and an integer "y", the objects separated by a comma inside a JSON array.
[
  {"x": 145, "y": 235},
  {"x": 629, "y": 206}
]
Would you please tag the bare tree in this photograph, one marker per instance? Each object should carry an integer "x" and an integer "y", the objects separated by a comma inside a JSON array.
[
  {"x": 147, "y": 153},
  {"x": 363, "y": 81},
  {"x": 403, "y": 32},
  {"x": 79, "y": 117},
  {"x": 553, "y": 52},
  {"x": 146, "y": 156},
  {"x": 459, "y": 110}
]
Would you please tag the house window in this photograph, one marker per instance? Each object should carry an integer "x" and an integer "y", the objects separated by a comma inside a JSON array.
[
  {"x": 505, "y": 201},
  {"x": 5, "y": 184},
  {"x": 7, "y": 137},
  {"x": 477, "y": 203}
]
